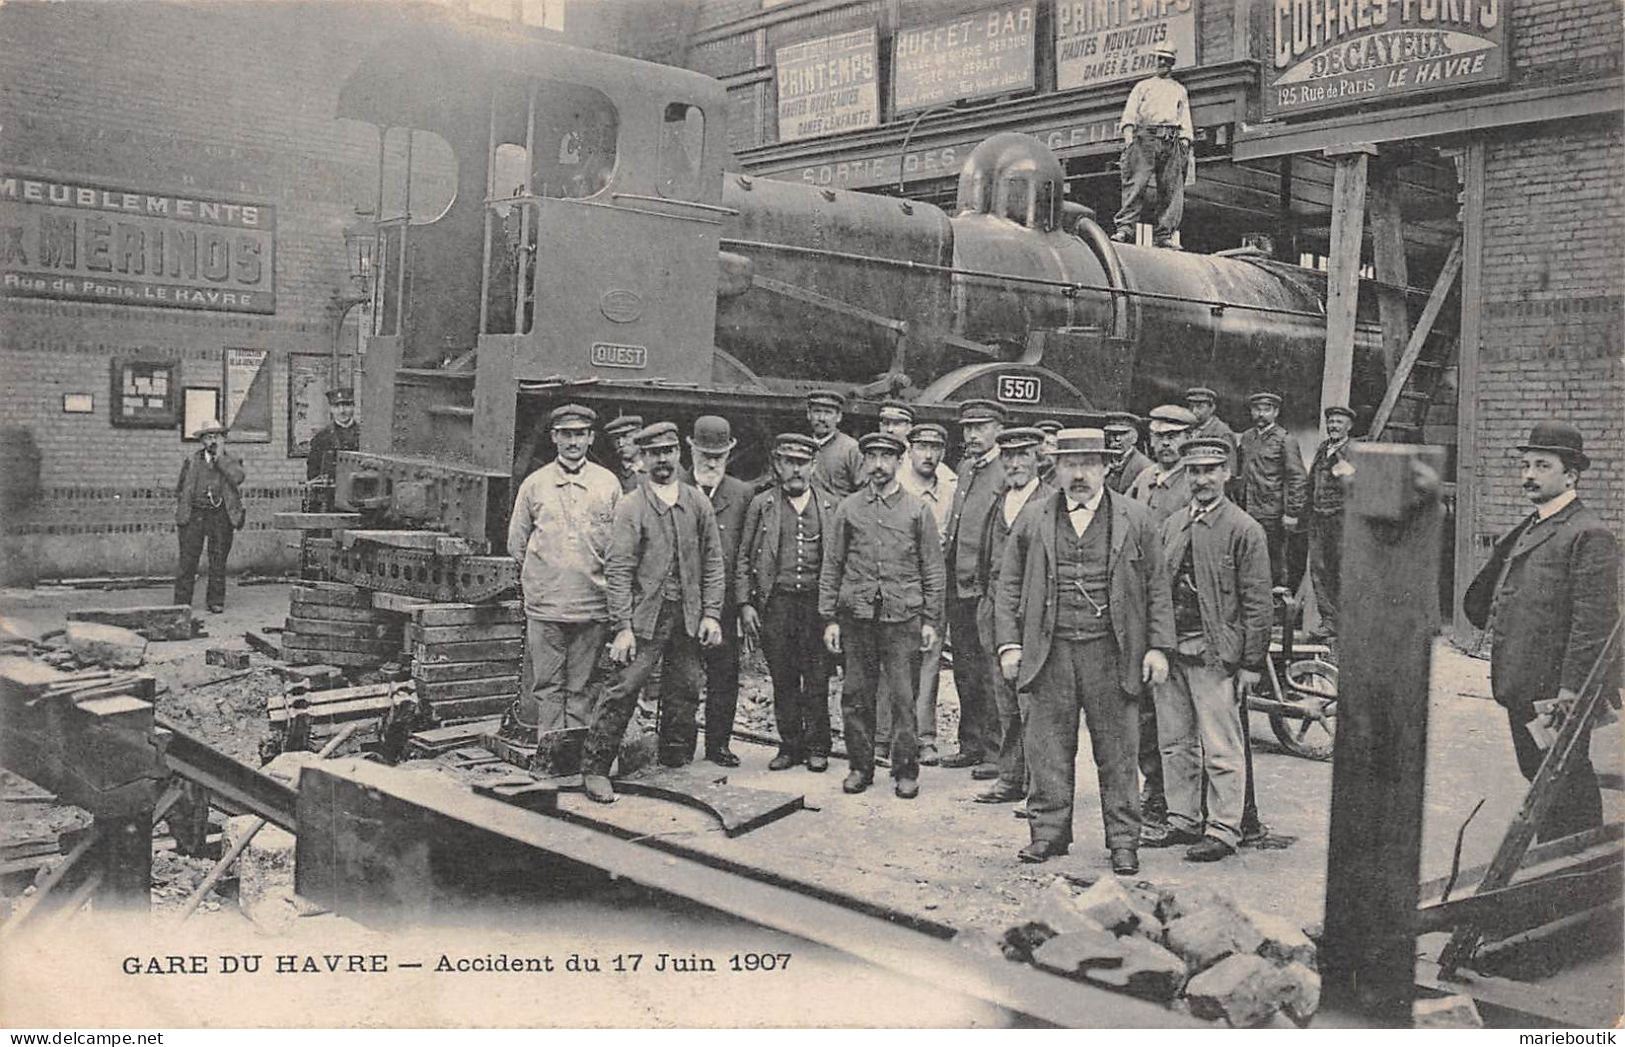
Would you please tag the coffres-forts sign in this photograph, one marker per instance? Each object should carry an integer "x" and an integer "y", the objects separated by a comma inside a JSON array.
[{"x": 1332, "y": 53}]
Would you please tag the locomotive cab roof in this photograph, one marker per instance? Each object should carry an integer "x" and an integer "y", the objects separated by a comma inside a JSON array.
[{"x": 1013, "y": 176}]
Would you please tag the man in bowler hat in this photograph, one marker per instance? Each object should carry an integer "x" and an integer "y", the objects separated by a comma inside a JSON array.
[{"x": 711, "y": 444}]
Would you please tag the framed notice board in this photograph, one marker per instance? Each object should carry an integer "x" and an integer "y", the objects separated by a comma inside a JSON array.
[
  {"x": 144, "y": 394},
  {"x": 307, "y": 399}
]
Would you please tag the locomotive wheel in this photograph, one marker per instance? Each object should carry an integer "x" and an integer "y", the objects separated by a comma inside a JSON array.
[{"x": 1312, "y": 685}]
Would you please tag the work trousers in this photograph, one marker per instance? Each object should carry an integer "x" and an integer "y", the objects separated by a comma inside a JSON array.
[
  {"x": 1152, "y": 801},
  {"x": 925, "y": 701},
  {"x": 973, "y": 679},
  {"x": 1275, "y": 539},
  {"x": 679, "y": 654},
  {"x": 1081, "y": 672},
  {"x": 214, "y": 527},
  {"x": 1325, "y": 563},
  {"x": 721, "y": 665},
  {"x": 793, "y": 644},
  {"x": 1199, "y": 723},
  {"x": 1578, "y": 803},
  {"x": 1012, "y": 757},
  {"x": 563, "y": 657},
  {"x": 875, "y": 651},
  {"x": 1153, "y": 179}
]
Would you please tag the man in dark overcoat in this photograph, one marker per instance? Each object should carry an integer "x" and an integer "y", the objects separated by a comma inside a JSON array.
[
  {"x": 209, "y": 508},
  {"x": 711, "y": 444}
]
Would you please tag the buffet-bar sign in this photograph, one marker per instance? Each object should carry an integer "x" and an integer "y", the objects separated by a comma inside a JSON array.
[
  {"x": 828, "y": 85},
  {"x": 974, "y": 56},
  {"x": 1100, "y": 43},
  {"x": 1330, "y": 53}
]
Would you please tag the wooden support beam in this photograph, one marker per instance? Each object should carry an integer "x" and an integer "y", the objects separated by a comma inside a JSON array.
[
  {"x": 1390, "y": 572},
  {"x": 1388, "y": 254},
  {"x": 1468, "y": 557},
  {"x": 1418, "y": 338},
  {"x": 1343, "y": 274}
]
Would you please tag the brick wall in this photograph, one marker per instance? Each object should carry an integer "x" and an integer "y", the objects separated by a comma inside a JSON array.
[
  {"x": 1553, "y": 272},
  {"x": 1559, "y": 40}
]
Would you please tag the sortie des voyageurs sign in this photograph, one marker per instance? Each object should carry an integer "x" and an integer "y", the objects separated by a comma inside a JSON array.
[
  {"x": 1103, "y": 41},
  {"x": 828, "y": 85},
  {"x": 1331, "y": 53},
  {"x": 974, "y": 56},
  {"x": 93, "y": 242}
]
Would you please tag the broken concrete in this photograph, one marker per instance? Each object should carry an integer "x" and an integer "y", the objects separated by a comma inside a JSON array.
[
  {"x": 1301, "y": 998},
  {"x": 1111, "y": 906},
  {"x": 1074, "y": 952},
  {"x": 1243, "y": 989},
  {"x": 1446, "y": 1012},
  {"x": 106, "y": 645},
  {"x": 980, "y": 941},
  {"x": 1058, "y": 908},
  {"x": 265, "y": 869},
  {"x": 1148, "y": 971},
  {"x": 20, "y": 630},
  {"x": 1181, "y": 899},
  {"x": 1284, "y": 941},
  {"x": 1205, "y": 936},
  {"x": 226, "y": 657}
]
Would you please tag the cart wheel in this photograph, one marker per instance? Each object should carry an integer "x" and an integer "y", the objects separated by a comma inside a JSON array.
[{"x": 1312, "y": 685}]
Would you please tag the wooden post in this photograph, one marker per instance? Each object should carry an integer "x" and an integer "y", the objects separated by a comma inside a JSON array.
[
  {"x": 1343, "y": 270},
  {"x": 1467, "y": 555},
  {"x": 1388, "y": 252},
  {"x": 1389, "y": 617}
]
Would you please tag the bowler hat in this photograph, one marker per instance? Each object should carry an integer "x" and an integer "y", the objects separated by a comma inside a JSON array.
[
  {"x": 1205, "y": 450},
  {"x": 341, "y": 396},
  {"x": 1264, "y": 398},
  {"x": 885, "y": 443},
  {"x": 928, "y": 433},
  {"x": 212, "y": 426},
  {"x": 896, "y": 411},
  {"x": 1020, "y": 437},
  {"x": 981, "y": 411},
  {"x": 1201, "y": 393},
  {"x": 1081, "y": 441},
  {"x": 712, "y": 433},
  {"x": 572, "y": 416},
  {"x": 1346, "y": 412},
  {"x": 826, "y": 398},
  {"x": 795, "y": 445},
  {"x": 1171, "y": 418},
  {"x": 660, "y": 434},
  {"x": 626, "y": 423},
  {"x": 1561, "y": 439}
]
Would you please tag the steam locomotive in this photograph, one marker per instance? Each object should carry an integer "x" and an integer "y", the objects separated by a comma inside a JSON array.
[{"x": 596, "y": 249}]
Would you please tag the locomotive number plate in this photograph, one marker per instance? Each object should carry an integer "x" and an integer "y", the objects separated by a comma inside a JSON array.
[
  {"x": 608, "y": 354},
  {"x": 1020, "y": 389}
]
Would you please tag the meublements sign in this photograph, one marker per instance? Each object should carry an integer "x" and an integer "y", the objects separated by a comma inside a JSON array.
[
  {"x": 828, "y": 85},
  {"x": 97, "y": 243},
  {"x": 1331, "y": 53},
  {"x": 974, "y": 56},
  {"x": 1102, "y": 41}
]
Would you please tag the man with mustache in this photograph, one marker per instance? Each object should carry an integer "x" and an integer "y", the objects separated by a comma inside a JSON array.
[
  {"x": 1203, "y": 403},
  {"x": 880, "y": 592},
  {"x": 710, "y": 446},
  {"x": 1046, "y": 450},
  {"x": 208, "y": 509},
  {"x": 630, "y": 468},
  {"x": 1273, "y": 485},
  {"x": 1082, "y": 617},
  {"x": 663, "y": 581},
  {"x": 1123, "y": 433},
  {"x": 926, "y": 478},
  {"x": 1326, "y": 476},
  {"x": 1550, "y": 595},
  {"x": 1163, "y": 486},
  {"x": 1218, "y": 561},
  {"x": 776, "y": 588},
  {"x": 838, "y": 469}
]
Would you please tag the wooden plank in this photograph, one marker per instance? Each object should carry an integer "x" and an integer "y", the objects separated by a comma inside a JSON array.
[
  {"x": 485, "y": 685},
  {"x": 1467, "y": 558},
  {"x": 335, "y": 694},
  {"x": 1418, "y": 339},
  {"x": 329, "y": 613},
  {"x": 333, "y": 712},
  {"x": 1543, "y": 1005},
  {"x": 157, "y": 622},
  {"x": 1540, "y": 860},
  {"x": 258, "y": 641},
  {"x": 1343, "y": 275},
  {"x": 352, "y": 659},
  {"x": 313, "y": 521},
  {"x": 444, "y": 672},
  {"x": 469, "y": 613},
  {"x": 397, "y": 602},
  {"x": 333, "y": 593},
  {"x": 1519, "y": 906},
  {"x": 1390, "y": 583},
  {"x": 469, "y": 651},
  {"x": 460, "y": 709},
  {"x": 443, "y": 739},
  {"x": 303, "y": 627},
  {"x": 440, "y": 634},
  {"x": 1388, "y": 255},
  {"x": 302, "y": 642}
]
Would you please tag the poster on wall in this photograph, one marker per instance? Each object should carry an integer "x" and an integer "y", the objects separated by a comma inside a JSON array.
[
  {"x": 307, "y": 399},
  {"x": 247, "y": 385},
  {"x": 201, "y": 407},
  {"x": 95, "y": 242},
  {"x": 1104, "y": 43},
  {"x": 1328, "y": 54},
  {"x": 974, "y": 56},
  {"x": 828, "y": 85},
  {"x": 143, "y": 394}
]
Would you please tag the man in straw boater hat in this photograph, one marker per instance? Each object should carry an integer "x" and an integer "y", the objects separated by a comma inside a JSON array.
[
  {"x": 1082, "y": 617},
  {"x": 559, "y": 533},
  {"x": 1218, "y": 570},
  {"x": 663, "y": 580},
  {"x": 880, "y": 594},
  {"x": 838, "y": 468},
  {"x": 776, "y": 587},
  {"x": 710, "y": 445},
  {"x": 1327, "y": 472},
  {"x": 1549, "y": 596},
  {"x": 208, "y": 509}
]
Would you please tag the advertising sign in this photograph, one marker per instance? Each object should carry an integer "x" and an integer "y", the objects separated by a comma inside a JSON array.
[
  {"x": 93, "y": 242},
  {"x": 974, "y": 56},
  {"x": 1330, "y": 53},
  {"x": 1099, "y": 43},
  {"x": 828, "y": 85}
]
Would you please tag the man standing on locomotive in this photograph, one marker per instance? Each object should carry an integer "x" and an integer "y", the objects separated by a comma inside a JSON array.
[
  {"x": 1123, "y": 433},
  {"x": 1156, "y": 127},
  {"x": 925, "y": 477},
  {"x": 1326, "y": 476},
  {"x": 1218, "y": 571},
  {"x": 1082, "y": 617},
  {"x": 981, "y": 481},
  {"x": 629, "y": 467},
  {"x": 663, "y": 582},
  {"x": 838, "y": 469},
  {"x": 710, "y": 445},
  {"x": 776, "y": 588},
  {"x": 880, "y": 592},
  {"x": 1274, "y": 485},
  {"x": 559, "y": 533}
]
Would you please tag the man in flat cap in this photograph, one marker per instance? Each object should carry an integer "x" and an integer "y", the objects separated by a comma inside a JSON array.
[
  {"x": 710, "y": 446},
  {"x": 1156, "y": 127},
  {"x": 776, "y": 588},
  {"x": 1203, "y": 403},
  {"x": 926, "y": 478},
  {"x": 1218, "y": 571},
  {"x": 981, "y": 481},
  {"x": 1549, "y": 596},
  {"x": 1082, "y": 617},
  {"x": 1046, "y": 450},
  {"x": 341, "y": 433},
  {"x": 880, "y": 594},
  {"x": 559, "y": 533},
  {"x": 1327, "y": 473},
  {"x": 208, "y": 509},
  {"x": 1163, "y": 486},
  {"x": 1123, "y": 434},
  {"x": 838, "y": 469},
  {"x": 664, "y": 580},
  {"x": 1274, "y": 485},
  {"x": 1018, "y": 453},
  {"x": 624, "y": 430},
  {"x": 896, "y": 419}
]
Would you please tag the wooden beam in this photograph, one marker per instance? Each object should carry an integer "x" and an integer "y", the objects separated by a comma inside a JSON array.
[
  {"x": 1418, "y": 338},
  {"x": 1388, "y": 252},
  {"x": 1343, "y": 276},
  {"x": 1467, "y": 376},
  {"x": 1373, "y": 858}
]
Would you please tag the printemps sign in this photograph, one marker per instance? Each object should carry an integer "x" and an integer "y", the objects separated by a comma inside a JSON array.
[{"x": 1330, "y": 53}]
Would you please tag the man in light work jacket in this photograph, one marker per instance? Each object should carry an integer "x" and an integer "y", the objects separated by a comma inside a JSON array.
[
  {"x": 1082, "y": 617},
  {"x": 925, "y": 477},
  {"x": 838, "y": 469},
  {"x": 1156, "y": 127},
  {"x": 663, "y": 583},
  {"x": 1274, "y": 485}
]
